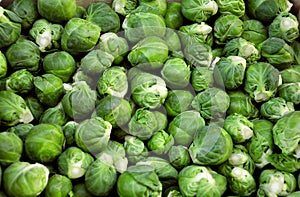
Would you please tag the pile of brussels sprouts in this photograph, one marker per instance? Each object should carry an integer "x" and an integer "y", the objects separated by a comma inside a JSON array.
[{"x": 149, "y": 98}]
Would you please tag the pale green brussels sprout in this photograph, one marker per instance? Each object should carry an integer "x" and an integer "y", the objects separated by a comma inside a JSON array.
[
  {"x": 11, "y": 148},
  {"x": 212, "y": 145},
  {"x": 49, "y": 89},
  {"x": 73, "y": 162},
  {"x": 61, "y": 10},
  {"x": 79, "y": 36},
  {"x": 202, "y": 78},
  {"x": 261, "y": 81},
  {"x": 173, "y": 42},
  {"x": 23, "y": 54},
  {"x": 21, "y": 130},
  {"x": 143, "y": 124},
  {"x": 101, "y": 14},
  {"x": 178, "y": 101},
  {"x": 139, "y": 25},
  {"x": 60, "y": 64},
  {"x": 276, "y": 183},
  {"x": 287, "y": 163},
  {"x": 198, "y": 54},
  {"x": 3, "y": 65},
  {"x": 199, "y": 10},
  {"x": 69, "y": 131},
  {"x": 230, "y": 71},
  {"x": 261, "y": 144},
  {"x": 113, "y": 82},
  {"x": 23, "y": 179},
  {"x": 147, "y": 90},
  {"x": 58, "y": 186},
  {"x": 162, "y": 120},
  {"x": 149, "y": 53},
  {"x": 211, "y": 103},
  {"x": 197, "y": 180},
  {"x": 290, "y": 92},
  {"x": 291, "y": 74},
  {"x": 54, "y": 115},
  {"x": 179, "y": 156},
  {"x": 139, "y": 180},
  {"x": 13, "y": 109},
  {"x": 80, "y": 190},
  {"x": 79, "y": 102},
  {"x": 227, "y": 27},
  {"x": 124, "y": 7},
  {"x": 92, "y": 135},
  {"x": 101, "y": 173},
  {"x": 44, "y": 143},
  {"x": 160, "y": 142},
  {"x": 286, "y": 133},
  {"x": 254, "y": 31},
  {"x": 173, "y": 17},
  {"x": 35, "y": 107},
  {"x": 276, "y": 108},
  {"x": 20, "y": 81},
  {"x": 184, "y": 126},
  {"x": 236, "y": 7},
  {"x": 135, "y": 149}
]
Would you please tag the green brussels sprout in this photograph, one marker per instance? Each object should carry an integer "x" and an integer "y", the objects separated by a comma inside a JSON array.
[
  {"x": 3, "y": 65},
  {"x": 230, "y": 71},
  {"x": 197, "y": 180},
  {"x": 290, "y": 92},
  {"x": 11, "y": 148},
  {"x": 143, "y": 124},
  {"x": 173, "y": 17},
  {"x": 100, "y": 173},
  {"x": 199, "y": 10},
  {"x": 261, "y": 81},
  {"x": 60, "y": 64},
  {"x": 286, "y": 133},
  {"x": 79, "y": 190},
  {"x": 80, "y": 11},
  {"x": 212, "y": 145},
  {"x": 254, "y": 31},
  {"x": 69, "y": 132},
  {"x": 236, "y": 7},
  {"x": 261, "y": 144},
  {"x": 139, "y": 180},
  {"x": 58, "y": 186},
  {"x": 282, "y": 162},
  {"x": 79, "y": 36},
  {"x": 124, "y": 7},
  {"x": 21, "y": 130},
  {"x": 173, "y": 42},
  {"x": 13, "y": 109},
  {"x": 61, "y": 11},
  {"x": 101, "y": 14},
  {"x": 296, "y": 47},
  {"x": 291, "y": 74},
  {"x": 44, "y": 143},
  {"x": 178, "y": 101},
  {"x": 294, "y": 194},
  {"x": 24, "y": 179},
  {"x": 73, "y": 162},
  {"x": 139, "y": 25},
  {"x": 92, "y": 135},
  {"x": 202, "y": 78},
  {"x": 198, "y": 54},
  {"x": 276, "y": 108},
  {"x": 113, "y": 82},
  {"x": 20, "y": 81},
  {"x": 54, "y": 115},
  {"x": 276, "y": 183},
  {"x": 227, "y": 27},
  {"x": 211, "y": 103},
  {"x": 149, "y": 53},
  {"x": 159, "y": 5},
  {"x": 35, "y": 107},
  {"x": 49, "y": 89},
  {"x": 179, "y": 156},
  {"x": 135, "y": 149},
  {"x": 184, "y": 126},
  {"x": 160, "y": 142},
  {"x": 23, "y": 54}
]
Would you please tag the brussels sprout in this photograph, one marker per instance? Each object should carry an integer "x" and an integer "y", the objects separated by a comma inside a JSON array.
[
  {"x": 79, "y": 36},
  {"x": 159, "y": 5},
  {"x": 198, "y": 54},
  {"x": 58, "y": 186},
  {"x": 49, "y": 89},
  {"x": 11, "y": 148},
  {"x": 227, "y": 27},
  {"x": 24, "y": 179},
  {"x": 149, "y": 53},
  {"x": 276, "y": 183},
  {"x": 44, "y": 143},
  {"x": 276, "y": 108},
  {"x": 160, "y": 142},
  {"x": 212, "y": 145},
  {"x": 135, "y": 149},
  {"x": 113, "y": 82},
  {"x": 3, "y": 65},
  {"x": 291, "y": 74},
  {"x": 199, "y": 10},
  {"x": 139, "y": 25},
  {"x": 92, "y": 135},
  {"x": 261, "y": 81},
  {"x": 21, "y": 130},
  {"x": 35, "y": 107},
  {"x": 61, "y": 11},
  {"x": 54, "y": 115},
  {"x": 294, "y": 194},
  {"x": 13, "y": 109},
  {"x": 290, "y": 92},
  {"x": 254, "y": 31},
  {"x": 178, "y": 101},
  {"x": 124, "y": 7},
  {"x": 79, "y": 190},
  {"x": 173, "y": 17},
  {"x": 184, "y": 126},
  {"x": 20, "y": 81},
  {"x": 179, "y": 156},
  {"x": 196, "y": 180},
  {"x": 60, "y": 64},
  {"x": 202, "y": 78},
  {"x": 296, "y": 47},
  {"x": 80, "y": 11},
  {"x": 23, "y": 54},
  {"x": 287, "y": 163},
  {"x": 69, "y": 131},
  {"x": 172, "y": 40},
  {"x": 236, "y": 7},
  {"x": 139, "y": 180}
]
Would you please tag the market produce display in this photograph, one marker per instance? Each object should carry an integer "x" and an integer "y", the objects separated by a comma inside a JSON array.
[{"x": 149, "y": 98}]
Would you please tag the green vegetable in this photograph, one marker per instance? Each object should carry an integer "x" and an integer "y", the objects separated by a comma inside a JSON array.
[
  {"x": 58, "y": 185},
  {"x": 21, "y": 130},
  {"x": 160, "y": 142},
  {"x": 254, "y": 31},
  {"x": 135, "y": 149},
  {"x": 3, "y": 65},
  {"x": 202, "y": 78},
  {"x": 276, "y": 108},
  {"x": 178, "y": 101},
  {"x": 290, "y": 92},
  {"x": 11, "y": 148},
  {"x": 124, "y": 7},
  {"x": 236, "y": 7},
  {"x": 54, "y": 115},
  {"x": 179, "y": 156},
  {"x": 173, "y": 17},
  {"x": 20, "y": 81},
  {"x": 291, "y": 74}
]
